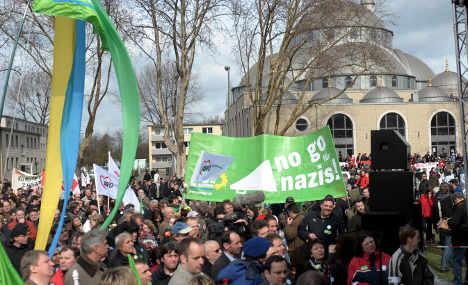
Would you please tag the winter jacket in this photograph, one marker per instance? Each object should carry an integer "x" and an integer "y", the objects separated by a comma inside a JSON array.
[
  {"x": 409, "y": 269},
  {"x": 364, "y": 181},
  {"x": 445, "y": 202},
  {"x": 360, "y": 271},
  {"x": 426, "y": 205},
  {"x": 326, "y": 229},
  {"x": 16, "y": 253},
  {"x": 241, "y": 272},
  {"x": 58, "y": 277},
  {"x": 458, "y": 224},
  {"x": 292, "y": 234},
  {"x": 88, "y": 273},
  {"x": 159, "y": 277}
]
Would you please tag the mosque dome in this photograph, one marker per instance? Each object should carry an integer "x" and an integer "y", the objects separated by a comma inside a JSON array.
[
  {"x": 433, "y": 94},
  {"x": 446, "y": 80},
  {"x": 329, "y": 93},
  {"x": 414, "y": 66},
  {"x": 381, "y": 95}
]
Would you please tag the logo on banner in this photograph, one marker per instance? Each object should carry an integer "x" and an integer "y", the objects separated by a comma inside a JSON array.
[{"x": 106, "y": 181}]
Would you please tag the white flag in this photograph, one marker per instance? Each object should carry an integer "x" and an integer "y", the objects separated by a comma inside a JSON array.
[
  {"x": 106, "y": 184},
  {"x": 112, "y": 166}
]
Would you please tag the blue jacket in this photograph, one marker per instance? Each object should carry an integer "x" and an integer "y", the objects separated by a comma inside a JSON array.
[{"x": 240, "y": 272}]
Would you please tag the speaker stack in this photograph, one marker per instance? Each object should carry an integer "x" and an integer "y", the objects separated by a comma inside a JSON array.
[{"x": 391, "y": 186}]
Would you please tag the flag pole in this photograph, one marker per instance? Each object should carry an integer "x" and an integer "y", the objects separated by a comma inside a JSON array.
[{"x": 12, "y": 57}]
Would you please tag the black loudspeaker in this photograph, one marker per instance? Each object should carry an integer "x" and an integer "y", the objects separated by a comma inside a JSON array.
[
  {"x": 384, "y": 226},
  {"x": 389, "y": 150},
  {"x": 391, "y": 191}
]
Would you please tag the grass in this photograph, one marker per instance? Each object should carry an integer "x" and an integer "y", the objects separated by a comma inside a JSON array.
[{"x": 434, "y": 255}]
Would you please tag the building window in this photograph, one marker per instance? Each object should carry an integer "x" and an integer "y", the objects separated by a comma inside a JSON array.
[
  {"x": 207, "y": 130},
  {"x": 341, "y": 128},
  {"x": 302, "y": 124},
  {"x": 394, "y": 81},
  {"x": 186, "y": 144},
  {"x": 373, "y": 81},
  {"x": 188, "y": 131},
  {"x": 443, "y": 136},
  {"x": 324, "y": 82},
  {"x": 393, "y": 121},
  {"x": 348, "y": 81}
]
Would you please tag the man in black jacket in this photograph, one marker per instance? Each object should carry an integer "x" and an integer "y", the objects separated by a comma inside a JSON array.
[
  {"x": 232, "y": 245},
  {"x": 169, "y": 262},
  {"x": 322, "y": 225},
  {"x": 459, "y": 229},
  {"x": 18, "y": 244}
]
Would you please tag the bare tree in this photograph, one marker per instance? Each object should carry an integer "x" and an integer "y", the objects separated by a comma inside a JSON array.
[
  {"x": 29, "y": 97},
  {"x": 170, "y": 82},
  {"x": 37, "y": 44},
  {"x": 282, "y": 45},
  {"x": 173, "y": 30}
]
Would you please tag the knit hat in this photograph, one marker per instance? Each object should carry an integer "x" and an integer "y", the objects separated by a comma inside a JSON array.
[
  {"x": 256, "y": 247},
  {"x": 19, "y": 229}
]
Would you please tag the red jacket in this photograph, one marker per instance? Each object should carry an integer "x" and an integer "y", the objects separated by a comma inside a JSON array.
[
  {"x": 364, "y": 181},
  {"x": 426, "y": 205},
  {"x": 31, "y": 226},
  {"x": 361, "y": 265},
  {"x": 58, "y": 277}
]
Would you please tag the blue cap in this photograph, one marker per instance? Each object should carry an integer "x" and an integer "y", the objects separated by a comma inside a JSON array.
[
  {"x": 180, "y": 228},
  {"x": 256, "y": 247}
]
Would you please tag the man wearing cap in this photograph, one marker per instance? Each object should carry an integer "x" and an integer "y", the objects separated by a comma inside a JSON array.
[
  {"x": 248, "y": 271},
  {"x": 458, "y": 225},
  {"x": 18, "y": 244},
  {"x": 180, "y": 231},
  {"x": 192, "y": 252}
]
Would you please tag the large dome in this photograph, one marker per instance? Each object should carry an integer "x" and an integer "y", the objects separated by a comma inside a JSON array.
[
  {"x": 331, "y": 92},
  {"x": 414, "y": 66},
  {"x": 381, "y": 95}
]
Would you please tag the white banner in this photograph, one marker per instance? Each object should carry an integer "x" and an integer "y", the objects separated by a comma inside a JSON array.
[
  {"x": 107, "y": 185},
  {"x": 21, "y": 179}
]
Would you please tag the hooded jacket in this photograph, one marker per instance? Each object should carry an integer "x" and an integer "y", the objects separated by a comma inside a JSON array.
[
  {"x": 16, "y": 253},
  {"x": 241, "y": 272}
]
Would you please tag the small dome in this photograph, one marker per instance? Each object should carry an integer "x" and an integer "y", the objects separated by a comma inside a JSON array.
[
  {"x": 381, "y": 95},
  {"x": 329, "y": 93},
  {"x": 433, "y": 94},
  {"x": 446, "y": 80}
]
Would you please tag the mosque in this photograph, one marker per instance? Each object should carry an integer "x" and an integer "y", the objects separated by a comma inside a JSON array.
[{"x": 405, "y": 96}]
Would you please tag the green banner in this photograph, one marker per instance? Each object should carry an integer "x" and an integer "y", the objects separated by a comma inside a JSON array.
[{"x": 306, "y": 167}]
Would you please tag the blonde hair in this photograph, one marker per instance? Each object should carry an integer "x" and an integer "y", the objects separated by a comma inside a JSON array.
[{"x": 121, "y": 275}]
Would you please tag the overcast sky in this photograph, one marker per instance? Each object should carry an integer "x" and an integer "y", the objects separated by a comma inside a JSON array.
[{"x": 421, "y": 28}]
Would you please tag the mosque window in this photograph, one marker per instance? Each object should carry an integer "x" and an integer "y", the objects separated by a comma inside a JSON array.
[
  {"x": 393, "y": 121},
  {"x": 373, "y": 81},
  {"x": 348, "y": 81},
  {"x": 443, "y": 138},
  {"x": 302, "y": 124},
  {"x": 394, "y": 81},
  {"x": 341, "y": 128}
]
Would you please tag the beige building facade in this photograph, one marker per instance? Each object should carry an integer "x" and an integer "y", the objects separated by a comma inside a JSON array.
[
  {"x": 408, "y": 97},
  {"x": 160, "y": 158}
]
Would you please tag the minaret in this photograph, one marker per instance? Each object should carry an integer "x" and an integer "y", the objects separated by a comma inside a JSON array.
[
  {"x": 369, "y": 4},
  {"x": 446, "y": 65}
]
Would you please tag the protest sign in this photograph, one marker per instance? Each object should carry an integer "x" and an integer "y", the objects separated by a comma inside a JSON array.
[
  {"x": 304, "y": 167},
  {"x": 20, "y": 179}
]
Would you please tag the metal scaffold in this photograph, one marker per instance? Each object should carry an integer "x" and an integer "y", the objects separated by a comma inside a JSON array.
[{"x": 460, "y": 27}]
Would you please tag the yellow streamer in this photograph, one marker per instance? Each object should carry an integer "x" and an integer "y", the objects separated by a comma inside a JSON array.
[{"x": 64, "y": 45}]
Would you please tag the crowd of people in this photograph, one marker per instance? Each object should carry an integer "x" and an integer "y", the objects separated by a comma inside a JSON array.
[{"x": 171, "y": 240}]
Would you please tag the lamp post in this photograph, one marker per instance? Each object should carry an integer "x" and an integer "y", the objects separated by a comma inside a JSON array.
[{"x": 228, "y": 98}]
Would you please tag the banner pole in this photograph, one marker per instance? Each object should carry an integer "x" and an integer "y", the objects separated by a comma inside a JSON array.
[{"x": 12, "y": 57}]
